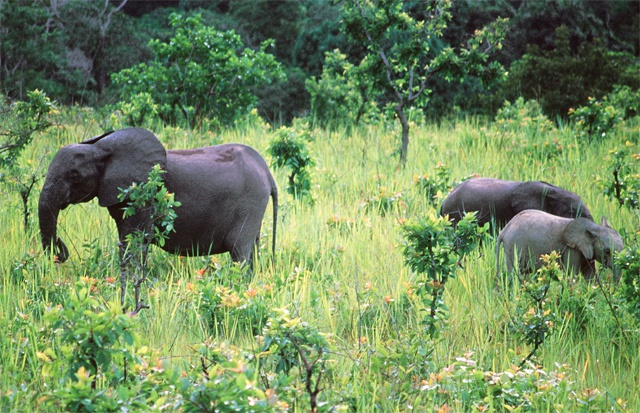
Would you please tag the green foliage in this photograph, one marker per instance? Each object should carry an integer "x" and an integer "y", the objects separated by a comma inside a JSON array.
[
  {"x": 289, "y": 149},
  {"x": 434, "y": 187},
  {"x": 138, "y": 110},
  {"x": 523, "y": 117},
  {"x": 293, "y": 343},
  {"x": 90, "y": 347},
  {"x": 152, "y": 197},
  {"x": 227, "y": 382},
  {"x": 534, "y": 319},
  {"x": 464, "y": 386},
  {"x": 561, "y": 79},
  {"x": 433, "y": 249},
  {"x": 225, "y": 300},
  {"x": 339, "y": 96},
  {"x": 599, "y": 118},
  {"x": 152, "y": 200},
  {"x": 29, "y": 64},
  {"x": 623, "y": 183},
  {"x": 628, "y": 261},
  {"x": 94, "y": 368},
  {"x": 596, "y": 120},
  {"x": 199, "y": 73},
  {"x": 20, "y": 122},
  {"x": 626, "y": 100},
  {"x": 404, "y": 52}
]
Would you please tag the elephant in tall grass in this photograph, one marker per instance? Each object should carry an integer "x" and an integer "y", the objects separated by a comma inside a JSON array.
[
  {"x": 580, "y": 242},
  {"x": 497, "y": 200},
  {"x": 223, "y": 190}
]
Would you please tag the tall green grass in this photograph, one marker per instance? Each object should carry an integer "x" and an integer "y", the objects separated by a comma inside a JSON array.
[{"x": 338, "y": 263}]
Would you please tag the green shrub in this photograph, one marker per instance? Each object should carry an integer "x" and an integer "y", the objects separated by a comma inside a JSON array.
[
  {"x": 199, "y": 73},
  {"x": 433, "y": 249},
  {"x": 534, "y": 319},
  {"x": 628, "y": 261},
  {"x": 152, "y": 199},
  {"x": 291, "y": 343},
  {"x": 522, "y": 118},
  {"x": 435, "y": 187},
  {"x": 623, "y": 182},
  {"x": 19, "y": 124},
  {"x": 289, "y": 149}
]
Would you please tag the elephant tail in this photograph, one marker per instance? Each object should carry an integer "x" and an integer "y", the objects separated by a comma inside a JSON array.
[
  {"x": 498, "y": 247},
  {"x": 274, "y": 200}
]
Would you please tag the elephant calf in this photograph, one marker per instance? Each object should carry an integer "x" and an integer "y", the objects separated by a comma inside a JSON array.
[
  {"x": 223, "y": 190},
  {"x": 498, "y": 200},
  {"x": 579, "y": 241}
]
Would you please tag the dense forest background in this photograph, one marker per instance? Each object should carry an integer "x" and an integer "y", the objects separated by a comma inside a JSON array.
[{"x": 559, "y": 52}]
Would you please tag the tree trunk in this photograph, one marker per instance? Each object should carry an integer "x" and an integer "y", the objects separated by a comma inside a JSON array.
[{"x": 399, "y": 109}]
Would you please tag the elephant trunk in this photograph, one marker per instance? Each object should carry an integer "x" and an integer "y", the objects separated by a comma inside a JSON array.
[{"x": 49, "y": 207}]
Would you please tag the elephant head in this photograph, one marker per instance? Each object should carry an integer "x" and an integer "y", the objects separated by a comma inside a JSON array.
[
  {"x": 595, "y": 242},
  {"x": 95, "y": 167}
]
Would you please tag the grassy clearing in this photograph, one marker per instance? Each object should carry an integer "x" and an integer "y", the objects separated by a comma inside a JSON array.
[{"x": 338, "y": 264}]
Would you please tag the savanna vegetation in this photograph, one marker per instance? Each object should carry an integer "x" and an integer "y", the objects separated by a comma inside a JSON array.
[{"x": 372, "y": 301}]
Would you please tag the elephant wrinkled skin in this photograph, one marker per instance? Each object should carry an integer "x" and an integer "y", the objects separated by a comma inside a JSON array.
[
  {"x": 579, "y": 242},
  {"x": 223, "y": 190},
  {"x": 498, "y": 200}
]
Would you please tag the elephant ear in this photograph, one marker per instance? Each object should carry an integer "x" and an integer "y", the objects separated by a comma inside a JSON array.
[
  {"x": 579, "y": 235},
  {"x": 128, "y": 156}
]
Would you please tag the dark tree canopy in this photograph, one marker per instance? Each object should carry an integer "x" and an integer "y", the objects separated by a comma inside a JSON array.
[{"x": 69, "y": 49}]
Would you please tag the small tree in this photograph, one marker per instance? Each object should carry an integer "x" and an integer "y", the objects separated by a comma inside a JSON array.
[
  {"x": 289, "y": 148},
  {"x": 433, "y": 249},
  {"x": 19, "y": 123},
  {"x": 404, "y": 51},
  {"x": 200, "y": 73},
  {"x": 152, "y": 199}
]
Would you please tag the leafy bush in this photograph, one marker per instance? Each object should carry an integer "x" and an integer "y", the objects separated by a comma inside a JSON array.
[
  {"x": 623, "y": 183},
  {"x": 433, "y": 249},
  {"x": 199, "y": 73},
  {"x": 434, "y": 187},
  {"x": 522, "y": 117},
  {"x": 595, "y": 120},
  {"x": 289, "y": 148},
  {"x": 90, "y": 350},
  {"x": 156, "y": 203},
  {"x": 292, "y": 343},
  {"x": 628, "y": 260},
  {"x": 20, "y": 122},
  {"x": 534, "y": 319},
  {"x": 226, "y": 382}
]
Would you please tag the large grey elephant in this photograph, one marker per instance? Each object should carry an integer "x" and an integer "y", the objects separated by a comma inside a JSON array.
[
  {"x": 579, "y": 242},
  {"x": 496, "y": 200},
  {"x": 223, "y": 190}
]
